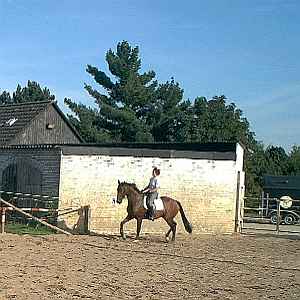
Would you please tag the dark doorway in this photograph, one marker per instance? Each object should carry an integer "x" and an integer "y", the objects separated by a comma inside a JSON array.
[{"x": 22, "y": 177}]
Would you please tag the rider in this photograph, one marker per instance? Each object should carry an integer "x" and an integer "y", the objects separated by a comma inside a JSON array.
[{"x": 152, "y": 192}]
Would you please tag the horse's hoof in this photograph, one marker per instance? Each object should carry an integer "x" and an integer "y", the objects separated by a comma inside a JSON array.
[
  {"x": 123, "y": 237},
  {"x": 167, "y": 239}
]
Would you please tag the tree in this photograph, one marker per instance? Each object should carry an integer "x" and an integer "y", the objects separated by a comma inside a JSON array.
[
  {"x": 30, "y": 93},
  {"x": 255, "y": 167},
  {"x": 216, "y": 121},
  {"x": 87, "y": 122},
  {"x": 124, "y": 106},
  {"x": 294, "y": 161},
  {"x": 5, "y": 98},
  {"x": 276, "y": 161},
  {"x": 169, "y": 113}
]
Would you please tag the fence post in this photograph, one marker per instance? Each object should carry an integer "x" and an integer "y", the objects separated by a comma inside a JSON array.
[
  {"x": 86, "y": 210},
  {"x": 278, "y": 216},
  {"x": 267, "y": 210},
  {"x": 261, "y": 212},
  {"x": 3, "y": 212}
]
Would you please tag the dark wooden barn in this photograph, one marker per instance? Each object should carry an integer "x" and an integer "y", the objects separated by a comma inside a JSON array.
[
  {"x": 29, "y": 169},
  {"x": 35, "y": 123}
]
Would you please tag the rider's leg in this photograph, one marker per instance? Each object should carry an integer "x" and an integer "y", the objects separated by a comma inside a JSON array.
[
  {"x": 149, "y": 205},
  {"x": 152, "y": 197}
]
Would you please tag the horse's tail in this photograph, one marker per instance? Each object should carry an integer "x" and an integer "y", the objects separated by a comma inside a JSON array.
[{"x": 187, "y": 225}]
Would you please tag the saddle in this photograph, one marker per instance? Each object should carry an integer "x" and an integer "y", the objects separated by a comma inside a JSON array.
[{"x": 158, "y": 204}]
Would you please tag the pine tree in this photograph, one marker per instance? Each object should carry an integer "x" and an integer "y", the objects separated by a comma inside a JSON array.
[
  {"x": 5, "y": 98},
  {"x": 124, "y": 106},
  {"x": 169, "y": 115},
  {"x": 30, "y": 93}
]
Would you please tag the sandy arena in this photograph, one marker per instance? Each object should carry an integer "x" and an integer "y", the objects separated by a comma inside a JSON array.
[{"x": 105, "y": 267}]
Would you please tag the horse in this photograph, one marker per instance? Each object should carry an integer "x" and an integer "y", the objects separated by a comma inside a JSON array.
[{"x": 136, "y": 210}]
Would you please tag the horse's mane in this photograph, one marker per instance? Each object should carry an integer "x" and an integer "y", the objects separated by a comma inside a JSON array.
[{"x": 133, "y": 185}]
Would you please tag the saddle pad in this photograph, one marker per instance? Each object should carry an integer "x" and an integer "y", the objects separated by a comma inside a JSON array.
[{"x": 157, "y": 203}]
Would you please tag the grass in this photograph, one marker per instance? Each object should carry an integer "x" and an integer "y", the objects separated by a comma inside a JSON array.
[{"x": 17, "y": 228}]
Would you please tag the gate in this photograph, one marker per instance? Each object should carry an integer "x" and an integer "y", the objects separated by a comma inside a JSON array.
[{"x": 271, "y": 215}]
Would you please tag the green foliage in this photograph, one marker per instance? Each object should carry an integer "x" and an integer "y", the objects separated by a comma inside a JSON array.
[
  {"x": 276, "y": 161},
  {"x": 32, "y": 229},
  {"x": 169, "y": 113},
  {"x": 294, "y": 161},
  {"x": 30, "y": 93},
  {"x": 255, "y": 166},
  {"x": 215, "y": 121},
  {"x": 124, "y": 106},
  {"x": 5, "y": 98}
]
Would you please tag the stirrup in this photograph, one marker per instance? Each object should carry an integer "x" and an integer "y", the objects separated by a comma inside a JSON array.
[{"x": 151, "y": 217}]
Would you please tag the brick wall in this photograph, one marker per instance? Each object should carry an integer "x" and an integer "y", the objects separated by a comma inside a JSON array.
[{"x": 207, "y": 190}]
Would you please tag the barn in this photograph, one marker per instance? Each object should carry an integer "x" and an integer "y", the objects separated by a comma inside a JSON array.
[
  {"x": 25, "y": 168},
  {"x": 35, "y": 123},
  {"x": 40, "y": 152}
]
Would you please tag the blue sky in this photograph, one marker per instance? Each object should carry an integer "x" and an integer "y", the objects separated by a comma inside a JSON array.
[{"x": 246, "y": 50}]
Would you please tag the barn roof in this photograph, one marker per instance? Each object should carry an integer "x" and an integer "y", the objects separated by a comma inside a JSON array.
[{"x": 14, "y": 118}]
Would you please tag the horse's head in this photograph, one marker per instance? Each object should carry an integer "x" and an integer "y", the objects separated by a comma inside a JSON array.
[
  {"x": 125, "y": 189},
  {"x": 122, "y": 191}
]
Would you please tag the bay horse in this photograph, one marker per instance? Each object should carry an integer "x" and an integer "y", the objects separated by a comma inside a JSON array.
[{"x": 136, "y": 210}]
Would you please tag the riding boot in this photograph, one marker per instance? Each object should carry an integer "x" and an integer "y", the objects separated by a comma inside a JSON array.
[{"x": 151, "y": 214}]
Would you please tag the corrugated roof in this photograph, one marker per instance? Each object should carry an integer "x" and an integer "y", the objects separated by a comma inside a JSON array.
[{"x": 15, "y": 117}]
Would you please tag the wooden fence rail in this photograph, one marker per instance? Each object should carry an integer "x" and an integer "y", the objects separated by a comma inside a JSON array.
[{"x": 21, "y": 211}]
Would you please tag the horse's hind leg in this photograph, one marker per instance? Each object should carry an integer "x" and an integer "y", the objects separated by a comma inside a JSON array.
[
  {"x": 128, "y": 218},
  {"x": 167, "y": 234},
  {"x": 172, "y": 225}
]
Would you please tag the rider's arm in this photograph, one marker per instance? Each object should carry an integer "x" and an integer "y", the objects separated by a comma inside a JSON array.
[{"x": 145, "y": 190}]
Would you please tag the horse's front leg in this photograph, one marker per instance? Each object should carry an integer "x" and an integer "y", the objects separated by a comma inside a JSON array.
[
  {"x": 138, "y": 227},
  {"x": 128, "y": 218}
]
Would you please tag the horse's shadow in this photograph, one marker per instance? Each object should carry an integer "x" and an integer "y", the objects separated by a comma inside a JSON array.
[{"x": 146, "y": 238}]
